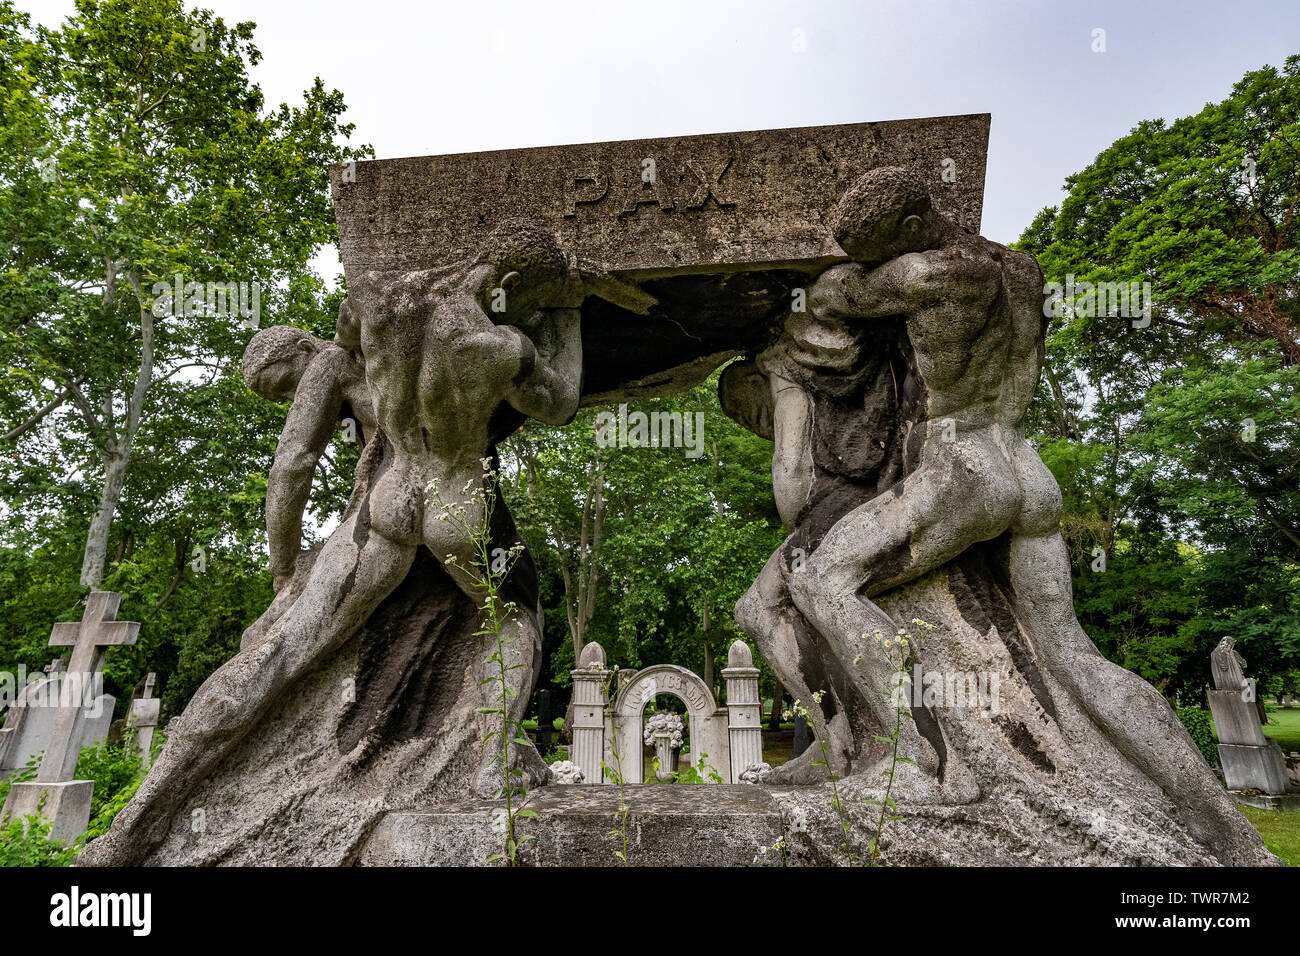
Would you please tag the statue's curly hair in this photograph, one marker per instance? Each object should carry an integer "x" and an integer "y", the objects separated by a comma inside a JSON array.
[
  {"x": 523, "y": 246},
  {"x": 275, "y": 344},
  {"x": 874, "y": 207}
]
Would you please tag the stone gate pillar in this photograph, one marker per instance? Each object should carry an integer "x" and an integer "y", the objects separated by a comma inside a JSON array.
[
  {"x": 590, "y": 683},
  {"x": 744, "y": 711}
]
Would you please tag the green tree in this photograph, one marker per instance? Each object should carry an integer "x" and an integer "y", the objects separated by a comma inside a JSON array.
[
  {"x": 141, "y": 151},
  {"x": 1174, "y": 433},
  {"x": 136, "y": 148}
]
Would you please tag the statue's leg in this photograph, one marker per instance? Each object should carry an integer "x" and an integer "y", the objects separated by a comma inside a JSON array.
[
  {"x": 766, "y": 614},
  {"x": 348, "y": 581},
  {"x": 521, "y": 646},
  {"x": 963, "y": 492},
  {"x": 1129, "y": 711}
]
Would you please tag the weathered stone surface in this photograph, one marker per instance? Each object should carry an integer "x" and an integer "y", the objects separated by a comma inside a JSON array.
[
  {"x": 65, "y": 804},
  {"x": 897, "y": 403},
  {"x": 1255, "y": 767},
  {"x": 668, "y": 826},
  {"x": 720, "y": 202},
  {"x": 1051, "y": 825}
]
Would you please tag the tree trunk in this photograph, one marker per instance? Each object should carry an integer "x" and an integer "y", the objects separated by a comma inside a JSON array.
[
  {"x": 117, "y": 452},
  {"x": 92, "y": 562},
  {"x": 778, "y": 699}
]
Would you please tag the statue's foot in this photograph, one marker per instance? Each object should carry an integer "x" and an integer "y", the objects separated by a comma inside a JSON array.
[
  {"x": 535, "y": 773},
  {"x": 807, "y": 769},
  {"x": 911, "y": 784}
]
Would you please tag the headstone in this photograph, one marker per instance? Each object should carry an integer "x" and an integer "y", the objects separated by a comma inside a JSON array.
[
  {"x": 1250, "y": 759},
  {"x": 30, "y": 725},
  {"x": 54, "y": 794},
  {"x": 800, "y": 735},
  {"x": 30, "y": 720},
  {"x": 143, "y": 718},
  {"x": 710, "y": 747},
  {"x": 744, "y": 711}
]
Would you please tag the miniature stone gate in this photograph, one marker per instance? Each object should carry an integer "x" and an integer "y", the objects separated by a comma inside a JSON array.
[{"x": 607, "y": 736}]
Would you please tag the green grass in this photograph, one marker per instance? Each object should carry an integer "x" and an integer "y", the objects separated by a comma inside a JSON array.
[
  {"x": 1280, "y": 830},
  {"x": 1284, "y": 727}
]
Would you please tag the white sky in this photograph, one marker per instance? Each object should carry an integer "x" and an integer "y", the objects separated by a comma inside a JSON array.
[{"x": 439, "y": 77}]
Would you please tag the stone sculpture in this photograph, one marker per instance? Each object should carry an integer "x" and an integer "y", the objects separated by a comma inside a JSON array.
[
  {"x": 1250, "y": 759},
  {"x": 890, "y": 353},
  {"x": 455, "y": 358},
  {"x": 937, "y": 468}
]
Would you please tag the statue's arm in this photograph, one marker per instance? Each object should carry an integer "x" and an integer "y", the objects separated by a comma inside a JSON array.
[
  {"x": 307, "y": 430},
  {"x": 549, "y": 387},
  {"x": 853, "y": 291}
]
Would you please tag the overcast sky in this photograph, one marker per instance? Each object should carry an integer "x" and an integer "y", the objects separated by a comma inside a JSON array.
[{"x": 445, "y": 77}]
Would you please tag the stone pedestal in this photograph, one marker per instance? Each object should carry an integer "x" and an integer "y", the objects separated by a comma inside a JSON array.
[
  {"x": 590, "y": 679},
  {"x": 664, "y": 751},
  {"x": 744, "y": 711},
  {"x": 667, "y": 826},
  {"x": 67, "y": 806},
  {"x": 1251, "y": 767}
]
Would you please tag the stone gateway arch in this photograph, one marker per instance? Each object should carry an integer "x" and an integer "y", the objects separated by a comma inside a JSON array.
[{"x": 888, "y": 351}]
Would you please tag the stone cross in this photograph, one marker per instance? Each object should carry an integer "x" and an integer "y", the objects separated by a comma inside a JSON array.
[
  {"x": 54, "y": 794},
  {"x": 89, "y": 638},
  {"x": 143, "y": 716}
]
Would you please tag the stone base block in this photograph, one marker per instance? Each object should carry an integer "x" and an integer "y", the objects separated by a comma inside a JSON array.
[
  {"x": 1254, "y": 768},
  {"x": 67, "y": 806},
  {"x": 1269, "y": 801},
  {"x": 667, "y": 826}
]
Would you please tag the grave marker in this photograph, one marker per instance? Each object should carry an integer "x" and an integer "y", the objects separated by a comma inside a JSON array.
[
  {"x": 143, "y": 718},
  {"x": 54, "y": 794}
]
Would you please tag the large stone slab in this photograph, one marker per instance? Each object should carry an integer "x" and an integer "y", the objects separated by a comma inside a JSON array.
[
  {"x": 652, "y": 207},
  {"x": 1247, "y": 767},
  {"x": 667, "y": 826}
]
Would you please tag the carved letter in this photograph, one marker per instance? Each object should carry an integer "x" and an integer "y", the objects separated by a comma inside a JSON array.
[
  {"x": 642, "y": 190},
  {"x": 710, "y": 184},
  {"x": 594, "y": 190}
]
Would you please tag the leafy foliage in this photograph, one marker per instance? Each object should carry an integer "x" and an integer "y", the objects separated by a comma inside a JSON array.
[
  {"x": 1175, "y": 441},
  {"x": 1201, "y": 729}
]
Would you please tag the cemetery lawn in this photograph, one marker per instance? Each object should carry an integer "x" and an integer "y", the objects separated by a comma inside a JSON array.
[
  {"x": 1280, "y": 830},
  {"x": 1284, "y": 727}
]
